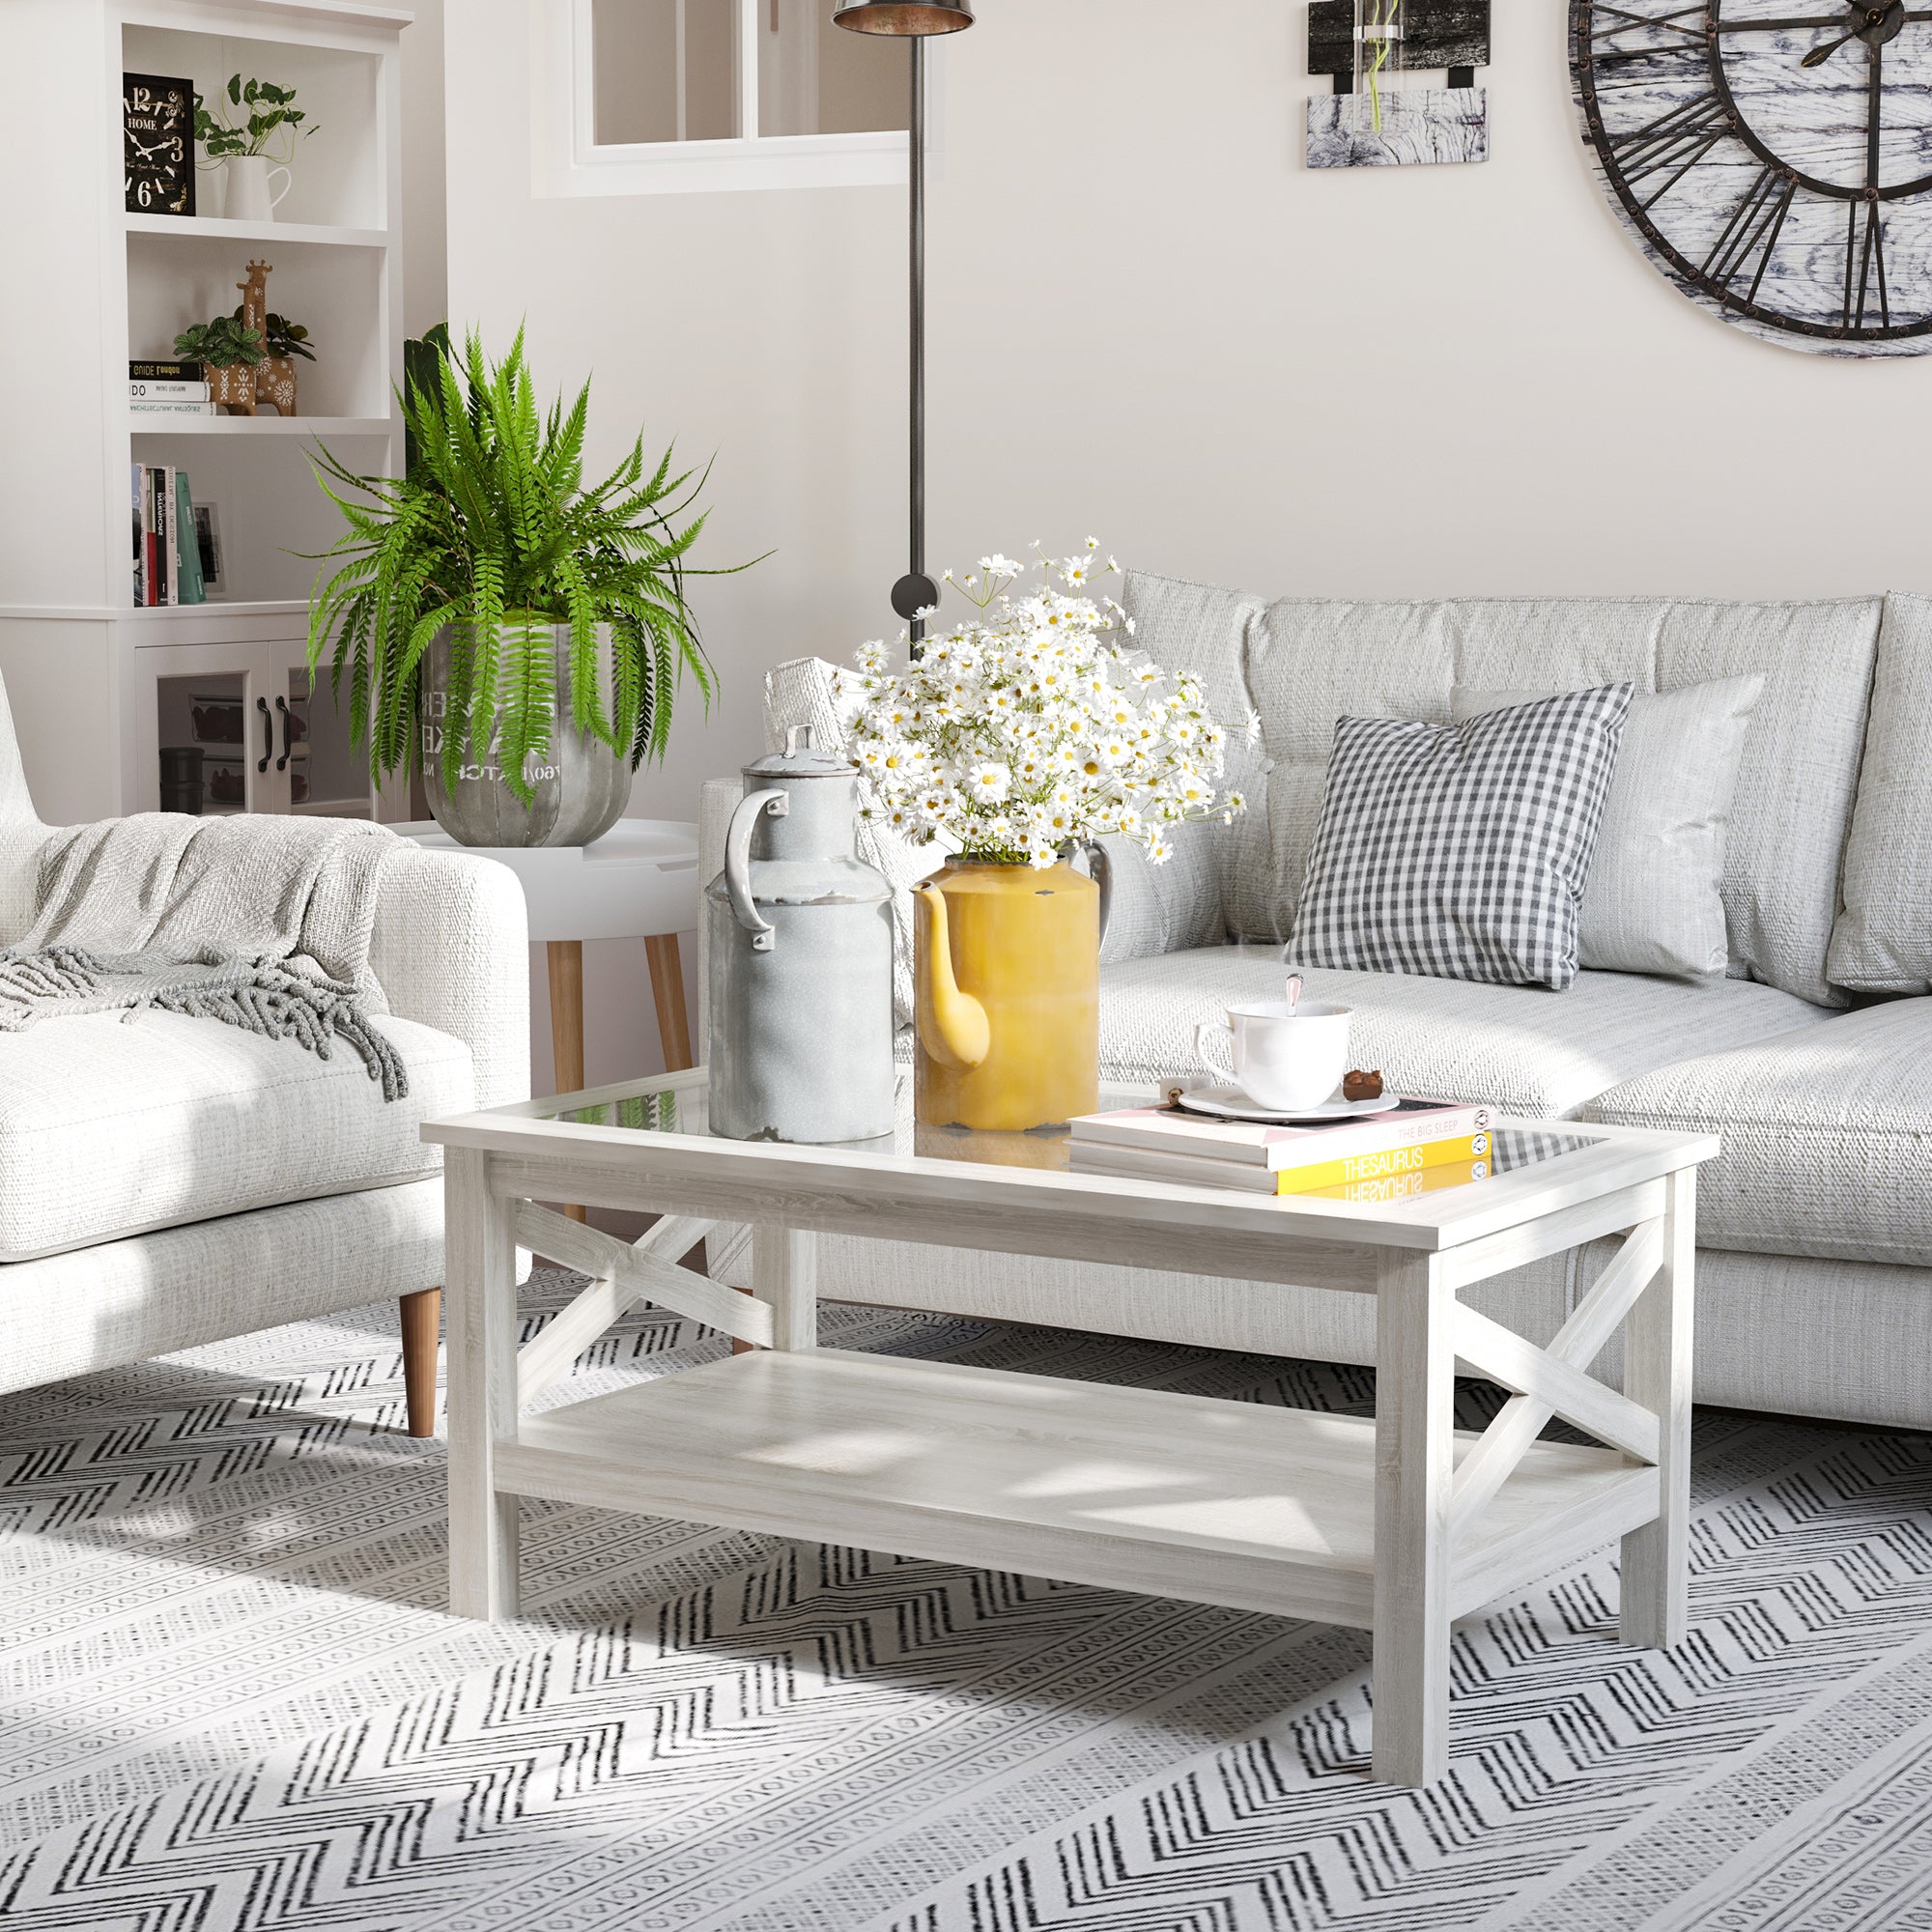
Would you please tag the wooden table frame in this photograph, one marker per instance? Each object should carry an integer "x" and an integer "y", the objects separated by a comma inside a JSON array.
[{"x": 1453, "y": 1521}]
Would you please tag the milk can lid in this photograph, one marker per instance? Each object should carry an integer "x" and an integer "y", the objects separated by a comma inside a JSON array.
[{"x": 800, "y": 759}]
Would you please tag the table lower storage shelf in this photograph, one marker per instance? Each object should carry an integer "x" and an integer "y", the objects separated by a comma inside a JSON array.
[{"x": 1253, "y": 1507}]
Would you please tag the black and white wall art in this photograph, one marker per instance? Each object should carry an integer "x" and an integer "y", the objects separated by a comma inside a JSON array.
[{"x": 1382, "y": 56}]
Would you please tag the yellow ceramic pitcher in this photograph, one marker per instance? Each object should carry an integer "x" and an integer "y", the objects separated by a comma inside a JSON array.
[{"x": 1008, "y": 971}]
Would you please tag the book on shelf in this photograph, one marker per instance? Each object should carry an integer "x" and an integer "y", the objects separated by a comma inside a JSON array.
[
  {"x": 1254, "y": 1143},
  {"x": 137, "y": 485},
  {"x": 188, "y": 543},
  {"x": 167, "y": 390},
  {"x": 166, "y": 372},
  {"x": 169, "y": 408},
  {"x": 1192, "y": 1170},
  {"x": 167, "y": 555},
  {"x": 164, "y": 533}
]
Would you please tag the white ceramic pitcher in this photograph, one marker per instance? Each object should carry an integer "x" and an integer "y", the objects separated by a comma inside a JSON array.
[{"x": 249, "y": 195}]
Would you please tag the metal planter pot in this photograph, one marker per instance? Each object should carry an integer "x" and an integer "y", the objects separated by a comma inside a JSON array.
[{"x": 581, "y": 788}]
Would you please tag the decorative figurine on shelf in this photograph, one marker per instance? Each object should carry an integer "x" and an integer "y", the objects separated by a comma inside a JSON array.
[{"x": 275, "y": 373}]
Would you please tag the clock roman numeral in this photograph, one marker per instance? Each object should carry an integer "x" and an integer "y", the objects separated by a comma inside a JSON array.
[
  {"x": 1613, "y": 28},
  {"x": 1752, "y": 230},
  {"x": 1864, "y": 268},
  {"x": 1672, "y": 144}
]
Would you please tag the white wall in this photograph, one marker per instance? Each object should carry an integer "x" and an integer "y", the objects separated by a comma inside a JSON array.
[
  {"x": 425, "y": 202},
  {"x": 1149, "y": 321}
]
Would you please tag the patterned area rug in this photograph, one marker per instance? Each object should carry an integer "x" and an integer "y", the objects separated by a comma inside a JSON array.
[{"x": 230, "y": 1698}]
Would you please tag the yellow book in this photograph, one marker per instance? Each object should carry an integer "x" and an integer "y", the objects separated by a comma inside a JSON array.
[
  {"x": 1415, "y": 1157},
  {"x": 1403, "y": 1186},
  {"x": 1384, "y": 1164}
]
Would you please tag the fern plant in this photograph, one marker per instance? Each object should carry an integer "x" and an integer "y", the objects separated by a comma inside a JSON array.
[{"x": 495, "y": 536}]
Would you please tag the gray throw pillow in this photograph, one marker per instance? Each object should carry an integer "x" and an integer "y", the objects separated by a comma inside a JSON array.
[
  {"x": 1652, "y": 902},
  {"x": 1460, "y": 850}
]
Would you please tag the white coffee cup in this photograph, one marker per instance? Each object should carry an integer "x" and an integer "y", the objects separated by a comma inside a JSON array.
[{"x": 1280, "y": 1059}]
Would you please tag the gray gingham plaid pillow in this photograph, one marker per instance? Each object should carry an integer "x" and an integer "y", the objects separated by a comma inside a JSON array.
[{"x": 1460, "y": 850}]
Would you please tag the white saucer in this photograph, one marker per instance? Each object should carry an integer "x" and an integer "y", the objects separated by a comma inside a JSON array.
[{"x": 1230, "y": 1103}]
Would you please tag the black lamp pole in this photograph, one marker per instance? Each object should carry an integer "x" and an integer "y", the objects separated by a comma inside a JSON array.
[{"x": 916, "y": 20}]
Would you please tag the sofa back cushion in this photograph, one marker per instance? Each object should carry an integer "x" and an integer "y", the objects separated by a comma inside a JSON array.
[
  {"x": 1883, "y": 941},
  {"x": 1312, "y": 660},
  {"x": 1654, "y": 899},
  {"x": 1221, "y": 878}
]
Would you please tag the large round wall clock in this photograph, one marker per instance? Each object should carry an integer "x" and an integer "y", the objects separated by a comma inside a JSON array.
[{"x": 1773, "y": 156}]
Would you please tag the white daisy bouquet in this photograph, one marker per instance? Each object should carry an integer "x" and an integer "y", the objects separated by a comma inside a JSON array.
[{"x": 1034, "y": 726}]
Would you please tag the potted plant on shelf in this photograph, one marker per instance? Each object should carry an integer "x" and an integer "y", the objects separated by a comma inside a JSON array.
[
  {"x": 1030, "y": 730},
  {"x": 517, "y": 635},
  {"x": 230, "y": 352},
  {"x": 262, "y": 143}
]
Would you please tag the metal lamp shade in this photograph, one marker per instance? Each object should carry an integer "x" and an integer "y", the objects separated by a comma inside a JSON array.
[{"x": 904, "y": 16}]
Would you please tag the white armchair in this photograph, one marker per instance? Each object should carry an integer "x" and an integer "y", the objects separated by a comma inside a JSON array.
[{"x": 171, "y": 1182}]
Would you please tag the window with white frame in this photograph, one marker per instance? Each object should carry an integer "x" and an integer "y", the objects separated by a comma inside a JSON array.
[{"x": 676, "y": 95}]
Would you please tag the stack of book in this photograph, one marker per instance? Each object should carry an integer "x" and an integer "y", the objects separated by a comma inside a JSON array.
[
  {"x": 168, "y": 389},
  {"x": 166, "y": 544},
  {"x": 1408, "y": 1147}
]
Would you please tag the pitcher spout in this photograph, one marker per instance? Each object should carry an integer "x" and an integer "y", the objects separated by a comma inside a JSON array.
[{"x": 953, "y": 1025}]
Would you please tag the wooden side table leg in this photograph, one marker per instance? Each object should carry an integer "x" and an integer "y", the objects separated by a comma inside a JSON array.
[
  {"x": 667, "y": 966},
  {"x": 1656, "y": 1374},
  {"x": 1415, "y": 1401},
  {"x": 565, "y": 959},
  {"x": 480, "y": 1254},
  {"x": 422, "y": 1319}
]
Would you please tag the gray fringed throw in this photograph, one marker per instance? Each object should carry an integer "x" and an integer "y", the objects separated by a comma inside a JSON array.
[{"x": 260, "y": 922}]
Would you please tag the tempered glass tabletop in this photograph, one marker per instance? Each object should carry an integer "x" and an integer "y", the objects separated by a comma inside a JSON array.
[{"x": 679, "y": 1105}]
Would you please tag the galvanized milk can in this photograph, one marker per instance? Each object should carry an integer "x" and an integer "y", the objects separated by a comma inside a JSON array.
[{"x": 800, "y": 936}]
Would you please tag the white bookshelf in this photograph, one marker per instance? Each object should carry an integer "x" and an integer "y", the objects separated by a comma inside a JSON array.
[{"x": 99, "y": 687}]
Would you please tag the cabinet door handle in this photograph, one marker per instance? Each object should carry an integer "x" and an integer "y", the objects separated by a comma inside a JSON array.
[
  {"x": 288, "y": 734},
  {"x": 267, "y": 735}
]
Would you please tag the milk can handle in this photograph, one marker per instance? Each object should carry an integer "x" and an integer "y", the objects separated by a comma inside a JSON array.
[{"x": 738, "y": 862}]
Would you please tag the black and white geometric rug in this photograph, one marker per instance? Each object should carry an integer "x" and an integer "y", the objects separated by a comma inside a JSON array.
[{"x": 230, "y": 1696}]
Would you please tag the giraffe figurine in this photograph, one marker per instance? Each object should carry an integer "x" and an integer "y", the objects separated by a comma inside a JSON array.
[{"x": 270, "y": 382}]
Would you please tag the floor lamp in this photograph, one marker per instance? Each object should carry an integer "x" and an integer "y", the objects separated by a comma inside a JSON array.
[{"x": 913, "y": 19}]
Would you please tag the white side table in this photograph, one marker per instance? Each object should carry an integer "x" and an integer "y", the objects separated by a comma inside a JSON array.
[{"x": 639, "y": 880}]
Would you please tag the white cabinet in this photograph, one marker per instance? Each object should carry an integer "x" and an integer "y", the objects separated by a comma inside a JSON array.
[
  {"x": 99, "y": 689},
  {"x": 244, "y": 719}
]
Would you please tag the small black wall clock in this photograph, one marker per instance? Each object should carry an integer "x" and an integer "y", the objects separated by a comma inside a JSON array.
[
  {"x": 157, "y": 143},
  {"x": 1774, "y": 157}
]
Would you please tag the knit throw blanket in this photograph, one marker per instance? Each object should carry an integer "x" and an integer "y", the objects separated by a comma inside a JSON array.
[{"x": 261, "y": 923}]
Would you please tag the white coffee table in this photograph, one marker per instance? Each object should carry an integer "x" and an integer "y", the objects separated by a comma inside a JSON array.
[{"x": 1398, "y": 1526}]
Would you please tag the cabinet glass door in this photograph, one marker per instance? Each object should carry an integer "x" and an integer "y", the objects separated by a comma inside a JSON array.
[
  {"x": 328, "y": 772},
  {"x": 240, "y": 730}
]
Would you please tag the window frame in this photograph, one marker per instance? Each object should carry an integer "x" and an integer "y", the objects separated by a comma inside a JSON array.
[{"x": 571, "y": 163}]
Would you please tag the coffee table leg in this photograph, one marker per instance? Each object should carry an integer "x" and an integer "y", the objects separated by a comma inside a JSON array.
[
  {"x": 1656, "y": 1374},
  {"x": 784, "y": 1273},
  {"x": 480, "y": 1255},
  {"x": 1414, "y": 1398}
]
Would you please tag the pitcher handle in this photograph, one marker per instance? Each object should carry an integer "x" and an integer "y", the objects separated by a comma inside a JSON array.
[
  {"x": 289, "y": 180},
  {"x": 738, "y": 862},
  {"x": 1100, "y": 870}
]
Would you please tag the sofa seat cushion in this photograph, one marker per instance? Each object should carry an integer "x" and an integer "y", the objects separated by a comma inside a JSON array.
[
  {"x": 1827, "y": 1136},
  {"x": 1524, "y": 1050},
  {"x": 112, "y": 1126}
]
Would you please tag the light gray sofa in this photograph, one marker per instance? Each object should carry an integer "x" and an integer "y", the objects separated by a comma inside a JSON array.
[
  {"x": 174, "y": 1181},
  {"x": 1813, "y": 1058}
]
